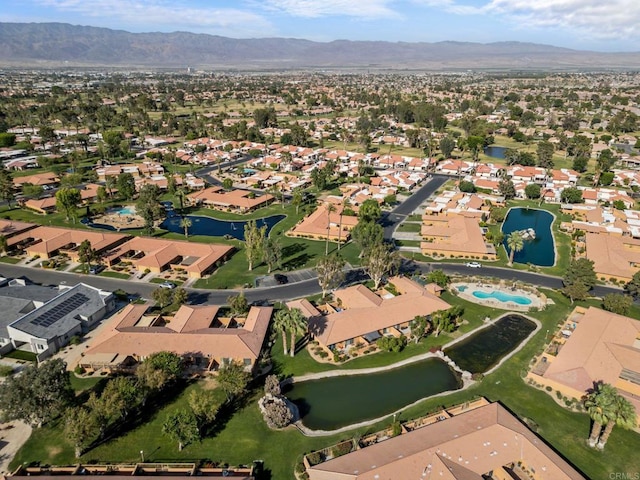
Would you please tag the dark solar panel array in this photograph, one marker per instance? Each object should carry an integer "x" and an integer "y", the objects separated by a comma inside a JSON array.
[{"x": 59, "y": 311}]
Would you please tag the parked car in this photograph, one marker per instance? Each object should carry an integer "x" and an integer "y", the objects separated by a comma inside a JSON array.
[
  {"x": 96, "y": 269},
  {"x": 281, "y": 279},
  {"x": 169, "y": 285},
  {"x": 473, "y": 264}
]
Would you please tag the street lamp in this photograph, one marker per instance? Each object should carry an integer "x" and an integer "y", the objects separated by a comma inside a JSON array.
[{"x": 142, "y": 455}]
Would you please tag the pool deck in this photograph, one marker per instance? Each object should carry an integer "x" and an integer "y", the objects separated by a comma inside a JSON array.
[{"x": 467, "y": 294}]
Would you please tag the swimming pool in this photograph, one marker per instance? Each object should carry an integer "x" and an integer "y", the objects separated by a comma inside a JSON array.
[
  {"x": 502, "y": 297},
  {"x": 128, "y": 210}
]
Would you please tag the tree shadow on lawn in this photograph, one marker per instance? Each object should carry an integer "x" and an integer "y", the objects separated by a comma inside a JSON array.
[
  {"x": 232, "y": 406},
  {"x": 291, "y": 250},
  {"x": 297, "y": 262}
]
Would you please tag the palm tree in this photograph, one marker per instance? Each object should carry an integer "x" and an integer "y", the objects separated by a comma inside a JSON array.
[
  {"x": 109, "y": 184},
  {"x": 330, "y": 209},
  {"x": 186, "y": 224},
  {"x": 297, "y": 324},
  {"x": 623, "y": 415},
  {"x": 515, "y": 242},
  {"x": 281, "y": 322},
  {"x": 598, "y": 404},
  {"x": 180, "y": 194}
]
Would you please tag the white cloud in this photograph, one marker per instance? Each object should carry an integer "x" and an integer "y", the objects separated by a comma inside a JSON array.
[
  {"x": 160, "y": 14},
  {"x": 597, "y": 18},
  {"x": 322, "y": 8}
]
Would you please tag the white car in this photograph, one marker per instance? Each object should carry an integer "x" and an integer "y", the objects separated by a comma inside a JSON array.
[
  {"x": 168, "y": 285},
  {"x": 473, "y": 264}
]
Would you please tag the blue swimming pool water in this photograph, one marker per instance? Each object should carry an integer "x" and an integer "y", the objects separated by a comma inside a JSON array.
[
  {"x": 129, "y": 210},
  {"x": 462, "y": 288},
  {"x": 503, "y": 297}
]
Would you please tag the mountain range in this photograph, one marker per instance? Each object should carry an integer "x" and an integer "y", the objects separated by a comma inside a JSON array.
[{"x": 50, "y": 45}]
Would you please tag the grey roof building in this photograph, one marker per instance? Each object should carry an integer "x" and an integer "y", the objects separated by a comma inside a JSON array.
[{"x": 48, "y": 317}]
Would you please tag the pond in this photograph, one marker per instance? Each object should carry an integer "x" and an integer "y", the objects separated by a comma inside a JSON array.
[
  {"x": 213, "y": 227},
  {"x": 539, "y": 251},
  {"x": 481, "y": 351},
  {"x": 495, "y": 151},
  {"x": 334, "y": 402}
]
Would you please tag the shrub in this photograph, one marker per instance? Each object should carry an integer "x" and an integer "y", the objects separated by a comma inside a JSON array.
[
  {"x": 341, "y": 449},
  {"x": 6, "y": 370},
  {"x": 396, "y": 429},
  {"x": 314, "y": 458},
  {"x": 323, "y": 354},
  {"x": 548, "y": 388},
  {"x": 277, "y": 413},
  {"x": 272, "y": 385},
  {"x": 559, "y": 394},
  {"x": 79, "y": 370}
]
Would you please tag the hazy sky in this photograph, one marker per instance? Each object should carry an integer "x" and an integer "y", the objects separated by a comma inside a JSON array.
[{"x": 603, "y": 25}]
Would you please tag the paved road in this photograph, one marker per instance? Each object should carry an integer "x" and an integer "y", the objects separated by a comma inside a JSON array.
[{"x": 391, "y": 220}]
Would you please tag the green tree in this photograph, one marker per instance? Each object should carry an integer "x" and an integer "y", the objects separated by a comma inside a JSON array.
[
  {"x": 38, "y": 395},
  {"x": 446, "y": 320},
  {"x": 272, "y": 253},
  {"x": 466, "y": 186},
  {"x": 506, "y": 188},
  {"x": 447, "y": 145},
  {"x": 580, "y": 164},
  {"x": 633, "y": 287},
  {"x": 159, "y": 370},
  {"x": 227, "y": 184},
  {"x": 617, "y": 303},
  {"x": 532, "y": 191},
  {"x": 7, "y": 189},
  {"x": 126, "y": 185},
  {"x": 162, "y": 296},
  {"x": 186, "y": 224},
  {"x": 369, "y": 211},
  {"x": 419, "y": 327},
  {"x": 623, "y": 415},
  {"x": 254, "y": 242},
  {"x": 439, "y": 278},
  {"x": 233, "y": 379},
  {"x": 330, "y": 270},
  {"x": 238, "y": 304},
  {"x": 367, "y": 234},
  {"x": 571, "y": 195},
  {"x": 112, "y": 140},
  {"x": 515, "y": 242},
  {"x": 330, "y": 207},
  {"x": 297, "y": 197},
  {"x": 179, "y": 296},
  {"x": 297, "y": 325},
  {"x": 599, "y": 406},
  {"x": 81, "y": 428},
  {"x": 380, "y": 260},
  {"x": 86, "y": 255},
  {"x": 545, "y": 154},
  {"x": 4, "y": 245},
  {"x": 7, "y": 140},
  {"x": 67, "y": 201},
  {"x": 204, "y": 406},
  {"x": 280, "y": 323},
  {"x": 71, "y": 180},
  {"x": 101, "y": 195},
  {"x": 576, "y": 291},
  {"x": 580, "y": 270},
  {"x": 32, "y": 191},
  {"x": 148, "y": 206},
  {"x": 182, "y": 427}
]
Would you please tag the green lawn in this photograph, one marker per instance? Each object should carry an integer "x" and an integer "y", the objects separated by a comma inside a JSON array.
[
  {"x": 21, "y": 355},
  {"x": 11, "y": 260},
  {"x": 110, "y": 274},
  {"x": 80, "y": 384},
  {"x": 159, "y": 280}
]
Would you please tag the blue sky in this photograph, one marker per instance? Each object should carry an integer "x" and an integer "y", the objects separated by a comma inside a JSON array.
[{"x": 601, "y": 25}]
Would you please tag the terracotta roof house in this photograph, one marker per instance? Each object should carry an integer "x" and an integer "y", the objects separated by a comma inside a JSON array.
[
  {"x": 593, "y": 346},
  {"x": 50, "y": 241},
  {"x": 321, "y": 223},
  {"x": 613, "y": 256},
  {"x": 196, "y": 333},
  {"x": 11, "y": 228},
  {"x": 42, "y": 179},
  {"x": 481, "y": 443},
  {"x": 197, "y": 259},
  {"x": 455, "y": 236},
  {"x": 365, "y": 316},
  {"x": 43, "y": 205},
  {"x": 241, "y": 201}
]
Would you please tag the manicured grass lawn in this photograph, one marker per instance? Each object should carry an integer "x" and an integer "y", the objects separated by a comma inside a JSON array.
[
  {"x": 409, "y": 227},
  {"x": 162, "y": 280},
  {"x": 80, "y": 384},
  {"x": 11, "y": 260},
  {"x": 21, "y": 355},
  {"x": 110, "y": 274}
]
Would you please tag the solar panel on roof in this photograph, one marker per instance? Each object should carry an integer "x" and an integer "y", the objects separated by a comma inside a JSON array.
[{"x": 60, "y": 311}]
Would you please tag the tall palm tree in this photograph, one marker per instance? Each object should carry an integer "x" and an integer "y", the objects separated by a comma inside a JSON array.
[
  {"x": 515, "y": 242},
  {"x": 297, "y": 324},
  {"x": 599, "y": 404},
  {"x": 186, "y": 223},
  {"x": 623, "y": 415},
  {"x": 281, "y": 322},
  {"x": 330, "y": 209}
]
